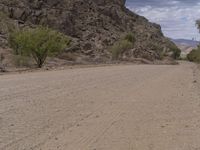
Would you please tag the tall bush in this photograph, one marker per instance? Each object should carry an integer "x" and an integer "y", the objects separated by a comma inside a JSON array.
[
  {"x": 194, "y": 55},
  {"x": 124, "y": 44},
  {"x": 38, "y": 43}
]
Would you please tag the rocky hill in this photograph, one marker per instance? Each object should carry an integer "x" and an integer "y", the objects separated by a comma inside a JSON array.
[{"x": 94, "y": 25}]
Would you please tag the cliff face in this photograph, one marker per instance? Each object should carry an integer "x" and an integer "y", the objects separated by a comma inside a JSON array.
[{"x": 94, "y": 24}]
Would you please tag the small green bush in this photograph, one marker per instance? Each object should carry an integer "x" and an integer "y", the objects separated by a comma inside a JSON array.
[
  {"x": 38, "y": 43},
  {"x": 2, "y": 57},
  {"x": 194, "y": 55},
  {"x": 176, "y": 52},
  {"x": 130, "y": 37},
  {"x": 170, "y": 49},
  {"x": 126, "y": 43},
  {"x": 119, "y": 47}
]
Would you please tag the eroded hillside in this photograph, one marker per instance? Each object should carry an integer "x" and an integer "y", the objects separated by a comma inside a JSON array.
[{"x": 94, "y": 25}]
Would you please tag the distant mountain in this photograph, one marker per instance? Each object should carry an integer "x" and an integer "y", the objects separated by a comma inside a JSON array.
[
  {"x": 185, "y": 45},
  {"x": 185, "y": 42}
]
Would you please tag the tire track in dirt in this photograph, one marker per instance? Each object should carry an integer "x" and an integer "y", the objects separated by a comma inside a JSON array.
[{"x": 115, "y": 107}]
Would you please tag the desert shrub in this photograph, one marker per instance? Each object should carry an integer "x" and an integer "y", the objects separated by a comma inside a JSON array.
[
  {"x": 2, "y": 57},
  {"x": 38, "y": 43},
  {"x": 2, "y": 67},
  {"x": 130, "y": 37},
  {"x": 176, "y": 52},
  {"x": 119, "y": 47},
  {"x": 22, "y": 61},
  {"x": 194, "y": 55},
  {"x": 124, "y": 44}
]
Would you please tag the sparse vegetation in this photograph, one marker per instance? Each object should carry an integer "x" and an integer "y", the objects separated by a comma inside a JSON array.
[
  {"x": 2, "y": 57},
  {"x": 198, "y": 24},
  {"x": 194, "y": 55},
  {"x": 122, "y": 45},
  {"x": 130, "y": 37},
  {"x": 22, "y": 61},
  {"x": 176, "y": 51},
  {"x": 2, "y": 67},
  {"x": 38, "y": 43}
]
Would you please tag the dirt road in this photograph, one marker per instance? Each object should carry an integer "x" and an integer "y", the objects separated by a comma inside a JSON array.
[{"x": 129, "y": 107}]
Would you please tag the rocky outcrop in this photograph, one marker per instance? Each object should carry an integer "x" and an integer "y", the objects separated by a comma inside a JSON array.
[{"x": 93, "y": 24}]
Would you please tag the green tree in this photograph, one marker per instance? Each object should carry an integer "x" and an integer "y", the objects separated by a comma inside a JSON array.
[
  {"x": 176, "y": 52},
  {"x": 198, "y": 24},
  {"x": 38, "y": 43},
  {"x": 194, "y": 55}
]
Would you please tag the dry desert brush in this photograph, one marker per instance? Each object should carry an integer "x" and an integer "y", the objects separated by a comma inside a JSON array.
[
  {"x": 122, "y": 45},
  {"x": 38, "y": 43}
]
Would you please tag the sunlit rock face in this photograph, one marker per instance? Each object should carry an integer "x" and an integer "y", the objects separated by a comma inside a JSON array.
[{"x": 94, "y": 24}]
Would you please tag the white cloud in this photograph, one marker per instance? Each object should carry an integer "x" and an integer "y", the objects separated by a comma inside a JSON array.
[
  {"x": 177, "y": 21},
  {"x": 173, "y": 2}
]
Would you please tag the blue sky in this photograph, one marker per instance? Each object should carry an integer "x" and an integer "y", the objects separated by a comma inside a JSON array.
[{"x": 177, "y": 17}]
